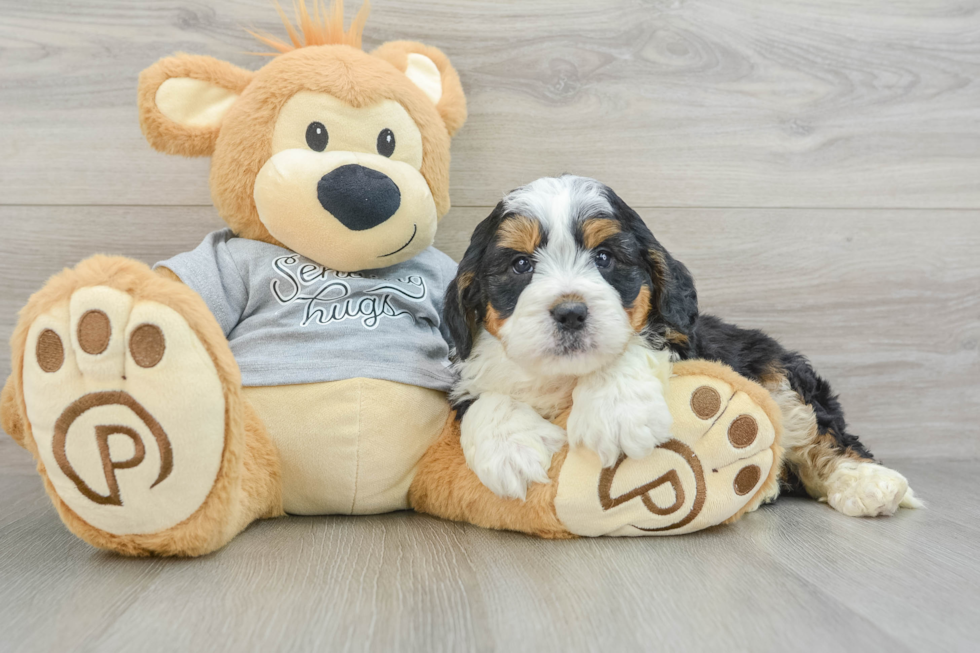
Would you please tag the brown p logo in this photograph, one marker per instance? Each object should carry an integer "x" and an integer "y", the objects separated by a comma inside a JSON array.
[
  {"x": 102, "y": 433},
  {"x": 608, "y": 502}
]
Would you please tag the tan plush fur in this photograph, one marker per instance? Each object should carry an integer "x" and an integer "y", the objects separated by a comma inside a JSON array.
[
  {"x": 446, "y": 487},
  {"x": 160, "y": 131},
  {"x": 10, "y": 415},
  {"x": 167, "y": 274},
  {"x": 248, "y": 482},
  {"x": 452, "y": 104}
]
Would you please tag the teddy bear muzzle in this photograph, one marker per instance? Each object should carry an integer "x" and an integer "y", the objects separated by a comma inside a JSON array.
[
  {"x": 360, "y": 198},
  {"x": 348, "y": 211}
]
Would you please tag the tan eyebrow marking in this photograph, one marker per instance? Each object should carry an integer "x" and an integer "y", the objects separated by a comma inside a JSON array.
[
  {"x": 597, "y": 230},
  {"x": 520, "y": 233}
]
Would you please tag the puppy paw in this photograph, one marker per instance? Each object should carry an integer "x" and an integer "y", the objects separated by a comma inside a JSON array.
[
  {"x": 508, "y": 445},
  {"x": 866, "y": 489},
  {"x": 911, "y": 502},
  {"x": 619, "y": 418}
]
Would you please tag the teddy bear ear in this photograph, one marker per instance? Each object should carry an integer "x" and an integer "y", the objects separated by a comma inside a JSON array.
[
  {"x": 183, "y": 99},
  {"x": 431, "y": 71}
]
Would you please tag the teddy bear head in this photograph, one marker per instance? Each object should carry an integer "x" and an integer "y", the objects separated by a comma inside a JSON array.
[{"x": 334, "y": 153}]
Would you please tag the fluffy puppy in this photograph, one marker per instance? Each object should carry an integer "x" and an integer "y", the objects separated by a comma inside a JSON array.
[
  {"x": 565, "y": 301},
  {"x": 550, "y": 312}
]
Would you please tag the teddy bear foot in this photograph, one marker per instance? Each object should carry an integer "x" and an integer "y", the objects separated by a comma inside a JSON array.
[
  {"x": 132, "y": 405},
  {"x": 721, "y": 463}
]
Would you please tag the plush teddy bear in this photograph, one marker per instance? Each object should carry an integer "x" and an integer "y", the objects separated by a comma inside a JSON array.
[
  {"x": 297, "y": 362},
  {"x": 294, "y": 362}
]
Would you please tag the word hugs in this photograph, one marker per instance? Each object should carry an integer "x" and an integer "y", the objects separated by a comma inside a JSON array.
[{"x": 327, "y": 296}]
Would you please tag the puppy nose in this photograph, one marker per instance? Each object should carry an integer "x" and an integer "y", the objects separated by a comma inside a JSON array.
[
  {"x": 570, "y": 316},
  {"x": 359, "y": 197}
]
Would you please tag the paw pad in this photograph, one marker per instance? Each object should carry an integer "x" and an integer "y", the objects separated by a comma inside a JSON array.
[
  {"x": 742, "y": 432},
  {"x": 50, "y": 351},
  {"x": 146, "y": 345},
  {"x": 94, "y": 331},
  {"x": 705, "y": 402},
  {"x": 746, "y": 479}
]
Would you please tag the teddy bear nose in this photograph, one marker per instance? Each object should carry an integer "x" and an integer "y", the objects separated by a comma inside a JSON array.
[{"x": 359, "y": 197}]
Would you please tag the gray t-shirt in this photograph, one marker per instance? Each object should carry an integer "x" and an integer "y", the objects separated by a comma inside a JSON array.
[{"x": 289, "y": 320}]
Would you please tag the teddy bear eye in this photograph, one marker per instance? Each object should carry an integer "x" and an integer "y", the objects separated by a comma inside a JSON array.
[
  {"x": 386, "y": 142},
  {"x": 317, "y": 137}
]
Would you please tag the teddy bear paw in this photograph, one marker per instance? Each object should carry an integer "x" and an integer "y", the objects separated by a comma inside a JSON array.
[
  {"x": 126, "y": 409},
  {"x": 717, "y": 465}
]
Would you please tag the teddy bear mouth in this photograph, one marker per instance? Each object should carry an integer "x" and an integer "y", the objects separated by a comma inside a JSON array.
[{"x": 415, "y": 231}]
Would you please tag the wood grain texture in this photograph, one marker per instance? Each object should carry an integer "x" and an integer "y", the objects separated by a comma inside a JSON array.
[
  {"x": 779, "y": 114},
  {"x": 886, "y": 303},
  {"x": 793, "y": 574},
  {"x": 698, "y": 103}
]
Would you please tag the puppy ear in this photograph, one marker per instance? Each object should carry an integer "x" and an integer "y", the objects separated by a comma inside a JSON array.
[
  {"x": 459, "y": 309},
  {"x": 465, "y": 304},
  {"x": 675, "y": 301},
  {"x": 675, "y": 298},
  {"x": 430, "y": 70},
  {"x": 183, "y": 99}
]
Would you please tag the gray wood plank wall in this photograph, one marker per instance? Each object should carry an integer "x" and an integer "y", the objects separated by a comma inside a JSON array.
[{"x": 817, "y": 164}]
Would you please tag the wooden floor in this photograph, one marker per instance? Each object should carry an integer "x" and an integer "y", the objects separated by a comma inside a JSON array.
[
  {"x": 793, "y": 576},
  {"x": 816, "y": 163}
]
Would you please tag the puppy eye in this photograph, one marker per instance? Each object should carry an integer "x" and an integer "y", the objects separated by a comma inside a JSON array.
[
  {"x": 386, "y": 142},
  {"x": 602, "y": 258},
  {"x": 316, "y": 136},
  {"x": 522, "y": 265}
]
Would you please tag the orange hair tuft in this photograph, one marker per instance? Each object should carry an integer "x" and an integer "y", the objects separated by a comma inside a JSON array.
[{"x": 321, "y": 27}]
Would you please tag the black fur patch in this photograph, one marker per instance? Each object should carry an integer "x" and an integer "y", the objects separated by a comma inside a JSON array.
[
  {"x": 675, "y": 301},
  {"x": 485, "y": 278},
  {"x": 460, "y": 408},
  {"x": 628, "y": 270},
  {"x": 502, "y": 286}
]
